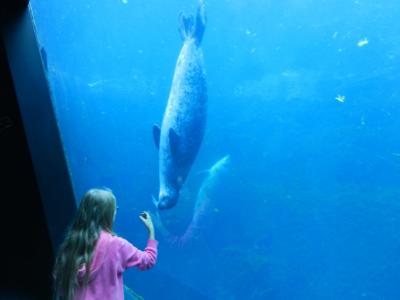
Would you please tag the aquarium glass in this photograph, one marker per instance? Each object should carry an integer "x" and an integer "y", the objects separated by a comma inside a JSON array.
[{"x": 303, "y": 101}]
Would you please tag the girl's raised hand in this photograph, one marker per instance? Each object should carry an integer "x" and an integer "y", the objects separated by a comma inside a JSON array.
[{"x": 147, "y": 221}]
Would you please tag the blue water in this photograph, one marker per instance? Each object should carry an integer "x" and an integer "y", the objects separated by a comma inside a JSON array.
[{"x": 310, "y": 205}]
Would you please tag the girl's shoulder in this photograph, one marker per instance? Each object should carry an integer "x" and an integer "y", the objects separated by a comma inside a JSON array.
[{"x": 113, "y": 239}]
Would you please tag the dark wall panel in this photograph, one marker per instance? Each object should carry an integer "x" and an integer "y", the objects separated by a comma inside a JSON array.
[
  {"x": 26, "y": 254},
  {"x": 36, "y": 194}
]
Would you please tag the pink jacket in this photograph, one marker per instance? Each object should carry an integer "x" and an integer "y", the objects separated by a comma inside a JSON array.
[{"x": 112, "y": 256}]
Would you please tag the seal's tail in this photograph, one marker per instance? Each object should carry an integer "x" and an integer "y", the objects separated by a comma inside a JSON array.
[{"x": 190, "y": 28}]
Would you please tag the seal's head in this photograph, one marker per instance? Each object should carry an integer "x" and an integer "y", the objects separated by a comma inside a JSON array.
[{"x": 167, "y": 200}]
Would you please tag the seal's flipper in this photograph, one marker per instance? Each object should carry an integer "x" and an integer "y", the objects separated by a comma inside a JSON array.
[
  {"x": 190, "y": 28},
  {"x": 173, "y": 141},
  {"x": 156, "y": 135},
  {"x": 185, "y": 26},
  {"x": 201, "y": 21},
  {"x": 154, "y": 200}
]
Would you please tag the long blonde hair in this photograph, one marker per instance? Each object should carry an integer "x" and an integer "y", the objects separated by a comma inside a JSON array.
[{"x": 95, "y": 213}]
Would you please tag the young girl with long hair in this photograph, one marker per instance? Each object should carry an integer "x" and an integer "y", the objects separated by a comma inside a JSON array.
[{"x": 92, "y": 259}]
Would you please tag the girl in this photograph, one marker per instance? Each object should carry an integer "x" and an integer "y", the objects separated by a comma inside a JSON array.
[{"x": 92, "y": 258}]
